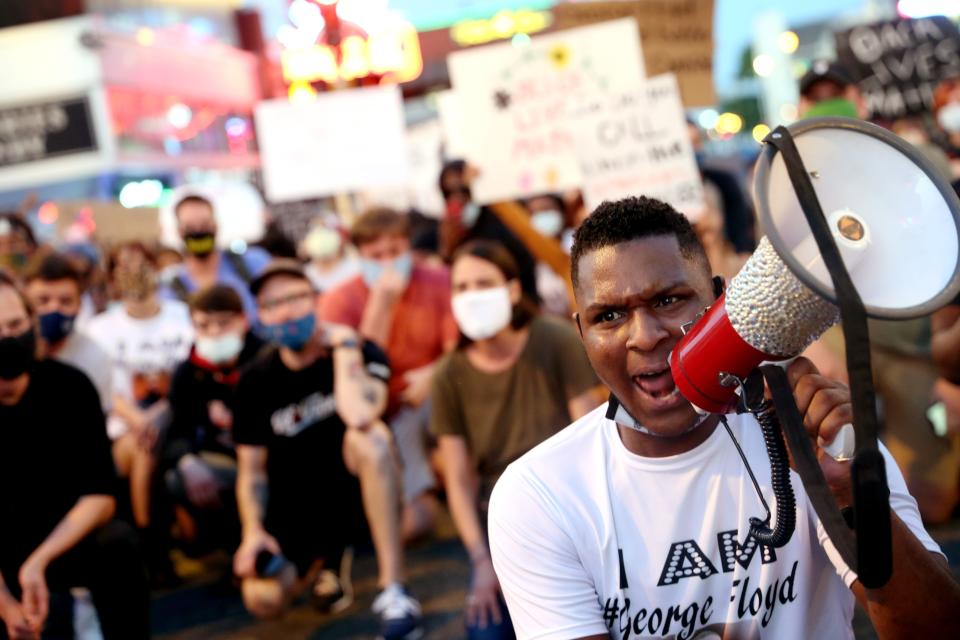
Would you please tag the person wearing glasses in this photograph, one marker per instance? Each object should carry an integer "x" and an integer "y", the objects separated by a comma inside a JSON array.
[{"x": 307, "y": 430}]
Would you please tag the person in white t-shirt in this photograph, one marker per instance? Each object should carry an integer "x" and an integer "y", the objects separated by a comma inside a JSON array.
[
  {"x": 635, "y": 523},
  {"x": 146, "y": 338}
]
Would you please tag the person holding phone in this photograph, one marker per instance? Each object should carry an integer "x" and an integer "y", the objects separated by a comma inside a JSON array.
[{"x": 311, "y": 452}]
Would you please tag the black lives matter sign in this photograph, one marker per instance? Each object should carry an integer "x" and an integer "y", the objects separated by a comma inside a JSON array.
[
  {"x": 29, "y": 133},
  {"x": 898, "y": 63}
]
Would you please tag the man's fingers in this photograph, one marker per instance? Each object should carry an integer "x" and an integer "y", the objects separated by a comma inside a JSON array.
[
  {"x": 481, "y": 614},
  {"x": 825, "y": 402},
  {"x": 495, "y": 616},
  {"x": 834, "y": 421},
  {"x": 798, "y": 369},
  {"x": 471, "y": 612},
  {"x": 807, "y": 386}
]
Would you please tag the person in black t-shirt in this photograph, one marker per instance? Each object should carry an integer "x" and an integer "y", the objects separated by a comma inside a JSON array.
[
  {"x": 56, "y": 491},
  {"x": 308, "y": 430},
  {"x": 199, "y": 461}
]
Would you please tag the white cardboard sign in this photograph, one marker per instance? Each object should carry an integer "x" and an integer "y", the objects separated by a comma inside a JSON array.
[
  {"x": 341, "y": 141},
  {"x": 514, "y": 100},
  {"x": 636, "y": 143}
]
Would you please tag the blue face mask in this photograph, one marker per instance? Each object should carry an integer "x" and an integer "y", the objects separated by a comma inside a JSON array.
[
  {"x": 292, "y": 334},
  {"x": 55, "y": 326},
  {"x": 372, "y": 270}
]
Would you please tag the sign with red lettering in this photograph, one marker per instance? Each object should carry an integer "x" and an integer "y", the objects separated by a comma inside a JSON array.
[
  {"x": 635, "y": 143},
  {"x": 514, "y": 102}
]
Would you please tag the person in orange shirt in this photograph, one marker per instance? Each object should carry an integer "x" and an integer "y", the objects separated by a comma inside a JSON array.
[{"x": 404, "y": 308}]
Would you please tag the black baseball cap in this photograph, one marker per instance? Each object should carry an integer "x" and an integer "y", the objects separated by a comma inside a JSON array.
[
  {"x": 278, "y": 267},
  {"x": 824, "y": 70}
]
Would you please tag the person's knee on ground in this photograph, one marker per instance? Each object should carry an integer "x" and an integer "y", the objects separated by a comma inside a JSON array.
[{"x": 267, "y": 598}]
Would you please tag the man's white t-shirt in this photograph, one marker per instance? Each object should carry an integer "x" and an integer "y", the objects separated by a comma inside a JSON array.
[
  {"x": 84, "y": 353},
  {"x": 588, "y": 538},
  {"x": 144, "y": 352}
]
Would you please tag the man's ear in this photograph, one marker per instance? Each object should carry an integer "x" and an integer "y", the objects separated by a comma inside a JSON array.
[{"x": 718, "y": 286}]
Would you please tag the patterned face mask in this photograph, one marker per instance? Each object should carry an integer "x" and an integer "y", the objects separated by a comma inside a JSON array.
[{"x": 136, "y": 283}]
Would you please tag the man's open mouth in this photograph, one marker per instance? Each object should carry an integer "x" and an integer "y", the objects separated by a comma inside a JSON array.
[{"x": 657, "y": 384}]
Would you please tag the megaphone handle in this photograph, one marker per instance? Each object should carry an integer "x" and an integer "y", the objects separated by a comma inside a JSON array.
[{"x": 807, "y": 465}]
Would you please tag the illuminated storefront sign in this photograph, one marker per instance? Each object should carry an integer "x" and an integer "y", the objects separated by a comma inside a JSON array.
[
  {"x": 426, "y": 15},
  {"x": 505, "y": 24},
  {"x": 323, "y": 46}
]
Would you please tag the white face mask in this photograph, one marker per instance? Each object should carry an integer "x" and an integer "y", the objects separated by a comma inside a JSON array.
[
  {"x": 949, "y": 117},
  {"x": 548, "y": 223},
  {"x": 322, "y": 243},
  {"x": 483, "y": 314},
  {"x": 219, "y": 350}
]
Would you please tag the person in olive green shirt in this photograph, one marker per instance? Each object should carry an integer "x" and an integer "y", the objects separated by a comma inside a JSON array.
[{"x": 515, "y": 379}]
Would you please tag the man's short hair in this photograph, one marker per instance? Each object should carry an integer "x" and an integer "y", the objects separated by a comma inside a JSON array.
[
  {"x": 219, "y": 298},
  {"x": 7, "y": 280},
  {"x": 633, "y": 218},
  {"x": 378, "y": 222},
  {"x": 52, "y": 268},
  {"x": 193, "y": 198}
]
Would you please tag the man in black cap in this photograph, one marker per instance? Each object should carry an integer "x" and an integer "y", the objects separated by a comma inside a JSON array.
[
  {"x": 308, "y": 430},
  {"x": 828, "y": 90}
]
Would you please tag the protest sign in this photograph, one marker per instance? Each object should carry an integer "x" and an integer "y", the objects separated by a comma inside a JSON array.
[
  {"x": 898, "y": 63},
  {"x": 636, "y": 143},
  {"x": 677, "y": 37},
  {"x": 338, "y": 142},
  {"x": 513, "y": 103}
]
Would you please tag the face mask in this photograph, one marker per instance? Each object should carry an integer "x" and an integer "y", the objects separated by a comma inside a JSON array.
[
  {"x": 200, "y": 243},
  {"x": 949, "y": 117},
  {"x": 137, "y": 284},
  {"x": 292, "y": 334},
  {"x": 619, "y": 414},
  {"x": 547, "y": 223},
  {"x": 483, "y": 314},
  {"x": 322, "y": 243},
  {"x": 833, "y": 107},
  {"x": 55, "y": 326},
  {"x": 469, "y": 215},
  {"x": 16, "y": 354},
  {"x": 372, "y": 270},
  {"x": 219, "y": 350}
]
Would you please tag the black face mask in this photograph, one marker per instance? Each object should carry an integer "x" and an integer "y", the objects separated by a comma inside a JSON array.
[
  {"x": 17, "y": 354},
  {"x": 200, "y": 243}
]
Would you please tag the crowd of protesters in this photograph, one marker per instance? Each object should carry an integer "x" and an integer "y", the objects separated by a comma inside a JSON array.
[{"x": 288, "y": 410}]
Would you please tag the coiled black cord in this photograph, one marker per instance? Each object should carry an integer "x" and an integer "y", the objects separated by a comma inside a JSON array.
[{"x": 779, "y": 480}]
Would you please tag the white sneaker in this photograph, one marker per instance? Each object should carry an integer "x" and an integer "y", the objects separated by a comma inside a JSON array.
[{"x": 399, "y": 614}]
